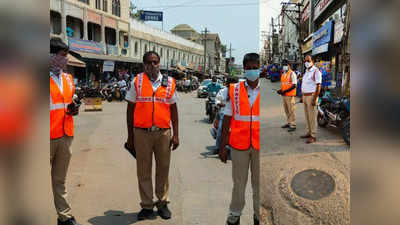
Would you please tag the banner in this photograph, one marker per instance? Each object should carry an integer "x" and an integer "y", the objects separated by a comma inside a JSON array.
[
  {"x": 151, "y": 16},
  {"x": 85, "y": 46}
]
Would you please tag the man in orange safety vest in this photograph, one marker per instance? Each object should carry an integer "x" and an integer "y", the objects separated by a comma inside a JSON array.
[{"x": 242, "y": 118}]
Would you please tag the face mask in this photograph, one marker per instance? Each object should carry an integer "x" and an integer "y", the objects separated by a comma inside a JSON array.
[
  {"x": 307, "y": 64},
  {"x": 58, "y": 63},
  {"x": 252, "y": 75},
  {"x": 285, "y": 68}
]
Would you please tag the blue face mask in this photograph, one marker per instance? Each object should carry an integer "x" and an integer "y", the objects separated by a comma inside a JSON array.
[{"x": 252, "y": 75}]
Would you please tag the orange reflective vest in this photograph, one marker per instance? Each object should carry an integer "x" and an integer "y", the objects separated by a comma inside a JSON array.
[
  {"x": 153, "y": 108},
  {"x": 245, "y": 123},
  {"x": 60, "y": 123},
  {"x": 286, "y": 83}
]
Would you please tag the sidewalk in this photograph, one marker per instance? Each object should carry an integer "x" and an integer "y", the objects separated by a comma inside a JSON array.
[{"x": 323, "y": 181}]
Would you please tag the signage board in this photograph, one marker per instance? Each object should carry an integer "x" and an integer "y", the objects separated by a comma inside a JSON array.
[
  {"x": 108, "y": 66},
  {"x": 338, "y": 32},
  {"x": 320, "y": 7},
  {"x": 323, "y": 35},
  {"x": 307, "y": 46},
  {"x": 320, "y": 49},
  {"x": 151, "y": 15},
  {"x": 85, "y": 46},
  {"x": 306, "y": 12}
]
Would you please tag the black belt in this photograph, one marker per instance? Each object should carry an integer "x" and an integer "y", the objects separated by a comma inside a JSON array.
[{"x": 152, "y": 129}]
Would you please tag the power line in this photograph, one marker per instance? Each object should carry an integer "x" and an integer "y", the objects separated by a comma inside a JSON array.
[{"x": 206, "y": 5}]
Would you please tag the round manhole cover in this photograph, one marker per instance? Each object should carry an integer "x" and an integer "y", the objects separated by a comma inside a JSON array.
[{"x": 313, "y": 184}]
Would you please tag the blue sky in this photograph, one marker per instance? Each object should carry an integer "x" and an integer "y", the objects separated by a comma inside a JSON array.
[{"x": 238, "y": 25}]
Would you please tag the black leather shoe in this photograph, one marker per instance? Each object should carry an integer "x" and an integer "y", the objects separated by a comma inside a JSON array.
[
  {"x": 291, "y": 129},
  {"x": 285, "y": 126},
  {"x": 256, "y": 221},
  {"x": 229, "y": 222},
  {"x": 145, "y": 214},
  {"x": 71, "y": 221},
  {"x": 164, "y": 212}
]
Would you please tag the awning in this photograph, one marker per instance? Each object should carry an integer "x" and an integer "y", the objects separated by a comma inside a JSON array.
[
  {"x": 109, "y": 57},
  {"x": 180, "y": 67},
  {"x": 72, "y": 61}
]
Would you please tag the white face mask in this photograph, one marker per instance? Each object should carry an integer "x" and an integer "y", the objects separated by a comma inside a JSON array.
[
  {"x": 285, "y": 68},
  {"x": 307, "y": 64}
]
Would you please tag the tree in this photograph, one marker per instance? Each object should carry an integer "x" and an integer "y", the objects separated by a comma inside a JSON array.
[{"x": 133, "y": 11}]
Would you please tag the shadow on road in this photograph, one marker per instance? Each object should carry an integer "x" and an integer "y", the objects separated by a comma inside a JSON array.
[
  {"x": 204, "y": 120},
  {"x": 114, "y": 217}
]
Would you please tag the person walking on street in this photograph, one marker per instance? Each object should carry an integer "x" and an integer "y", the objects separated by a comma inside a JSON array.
[
  {"x": 62, "y": 109},
  {"x": 187, "y": 85},
  {"x": 151, "y": 109},
  {"x": 310, "y": 88},
  {"x": 288, "y": 91},
  {"x": 241, "y": 117}
]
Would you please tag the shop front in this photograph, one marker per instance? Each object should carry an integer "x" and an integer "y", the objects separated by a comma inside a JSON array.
[{"x": 324, "y": 52}]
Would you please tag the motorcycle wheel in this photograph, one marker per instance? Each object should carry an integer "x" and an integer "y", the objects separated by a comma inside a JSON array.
[
  {"x": 109, "y": 98},
  {"x": 211, "y": 117},
  {"x": 322, "y": 121},
  {"x": 346, "y": 131}
]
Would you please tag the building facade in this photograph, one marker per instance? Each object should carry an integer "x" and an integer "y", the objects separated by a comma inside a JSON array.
[{"x": 102, "y": 30}]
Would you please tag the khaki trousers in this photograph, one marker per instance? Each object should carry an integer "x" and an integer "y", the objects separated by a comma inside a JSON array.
[
  {"x": 310, "y": 112},
  {"x": 60, "y": 156},
  {"x": 289, "y": 106},
  {"x": 147, "y": 143},
  {"x": 241, "y": 162}
]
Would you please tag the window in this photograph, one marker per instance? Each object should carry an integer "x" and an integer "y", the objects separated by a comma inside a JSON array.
[
  {"x": 145, "y": 48},
  {"x": 84, "y": 1},
  {"x": 136, "y": 48},
  {"x": 154, "y": 48},
  {"x": 116, "y": 8},
  {"x": 105, "y": 5},
  {"x": 98, "y": 4},
  {"x": 161, "y": 52}
]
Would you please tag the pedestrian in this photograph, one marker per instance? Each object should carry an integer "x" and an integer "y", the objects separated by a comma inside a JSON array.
[
  {"x": 223, "y": 98},
  {"x": 310, "y": 88},
  {"x": 151, "y": 109},
  {"x": 288, "y": 91},
  {"x": 241, "y": 117},
  {"x": 62, "y": 109}
]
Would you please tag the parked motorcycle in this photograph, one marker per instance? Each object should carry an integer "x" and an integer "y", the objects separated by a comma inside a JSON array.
[{"x": 335, "y": 112}]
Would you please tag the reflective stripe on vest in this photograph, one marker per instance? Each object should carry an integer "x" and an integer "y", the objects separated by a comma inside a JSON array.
[
  {"x": 245, "y": 123},
  {"x": 152, "y": 108},
  {"x": 60, "y": 123},
  {"x": 287, "y": 83}
]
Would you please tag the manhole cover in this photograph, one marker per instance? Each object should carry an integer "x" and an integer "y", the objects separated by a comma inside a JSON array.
[{"x": 313, "y": 184}]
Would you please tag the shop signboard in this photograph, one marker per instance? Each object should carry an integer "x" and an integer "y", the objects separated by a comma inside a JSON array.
[
  {"x": 322, "y": 37},
  {"x": 151, "y": 16},
  {"x": 320, "y": 49},
  {"x": 85, "y": 46},
  {"x": 321, "y": 7},
  {"x": 307, "y": 46},
  {"x": 338, "y": 31},
  {"x": 108, "y": 66},
  {"x": 306, "y": 12}
]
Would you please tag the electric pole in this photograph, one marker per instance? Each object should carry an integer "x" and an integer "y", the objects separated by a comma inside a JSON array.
[
  {"x": 205, "y": 49},
  {"x": 230, "y": 58}
]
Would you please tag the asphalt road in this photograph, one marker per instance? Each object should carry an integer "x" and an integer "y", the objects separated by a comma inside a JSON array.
[{"x": 102, "y": 183}]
